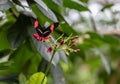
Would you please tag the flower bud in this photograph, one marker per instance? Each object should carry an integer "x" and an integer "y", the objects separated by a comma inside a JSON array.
[
  {"x": 61, "y": 42},
  {"x": 76, "y": 36},
  {"x": 49, "y": 49},
  {"x": 77, "y": 50},
  {"x": 55, "y": 45},
  {"x": 72, "y": 41},
  {"x": 67, "y": 53},
  {"x": 73, "y": 44}
]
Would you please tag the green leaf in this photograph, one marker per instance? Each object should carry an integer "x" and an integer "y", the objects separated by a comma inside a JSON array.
[
  {"x": 58, "y": 2},
  {"x": 3, "y": 83},
  {"x": 41, "y": 17},
  {"x": 84, "y": 1},
  {"x": 104, "y": 60},
  {"x": 5, "y": 5},
  {"x": 5, "y": 24},
  {"x": 22, "y": 79},
  {"x": 57, "y": 10},
  {"x": 4, "y": 52},
  {"x": 54, "y": 7},
  {"x": 74, "y": 5},
  {"x": 46, "y": 11},
  {"x": 17, "y": 33},
  {"x": 37, "y": 78},
  {"x": 18, "y": 2},
  {"x": 115, "y": 51},
  {"x": 4, "y": 44},
  {"x": 94, "y": 62},
  {"x": 5, "y": 65},
  {"x": 34, "y": 63},
  {"x": 111, "y": 39},
  {"x": 107, "y": 6},
  {"x": 94, "y": 40},
  {"x": 67, "y": 29},
  {"x": 94, "y": 35},
  {"x": 21, "y": 57},
  {"x": 105, "y": 64}
]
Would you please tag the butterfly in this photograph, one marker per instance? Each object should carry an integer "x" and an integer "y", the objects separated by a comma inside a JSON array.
[{"x": 42, "y": 32}]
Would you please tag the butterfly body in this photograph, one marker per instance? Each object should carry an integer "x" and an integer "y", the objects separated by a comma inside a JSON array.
[{"x": 44, "y": 33}]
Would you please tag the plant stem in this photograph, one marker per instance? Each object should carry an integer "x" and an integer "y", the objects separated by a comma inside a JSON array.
[
  {"x": 59, "y": 38},
  {"x": 49, "y": 64}
]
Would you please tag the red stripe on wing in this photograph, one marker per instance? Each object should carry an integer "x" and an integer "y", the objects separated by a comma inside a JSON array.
[
  {"x": 52, "y": 27},
  {"x": 36, "y": 23}
]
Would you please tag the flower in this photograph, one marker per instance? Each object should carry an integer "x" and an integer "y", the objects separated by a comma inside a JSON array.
[
  {"x": 77, "y": 50},
  {"x": 49, "y": 49},
  {"x": 76, "y": 36}
]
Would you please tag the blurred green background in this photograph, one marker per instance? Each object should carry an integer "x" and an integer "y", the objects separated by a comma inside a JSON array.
[{"x": 96, "y": 22}]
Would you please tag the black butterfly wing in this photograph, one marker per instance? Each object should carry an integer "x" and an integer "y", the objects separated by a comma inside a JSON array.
[
  {"x": 39, "y": 31},
  {"x": 47, "y": 31}
]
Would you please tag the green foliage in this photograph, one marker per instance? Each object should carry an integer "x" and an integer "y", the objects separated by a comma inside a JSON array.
[
  {"x": 4, "y": 44},
  {"x": 5, "y": 5},
  {"x": 3, "y": 83},
  {"x": 107, "y": 6},
  {"x": 85, "y": 1},
  {"x": 23, "y": 53},
  {"x": 37, "y": 78},
  {"x": 24, "y": 56},
  {"x": 73, "y": 5},
  {"x": 41, "y": 16},
  {"x": 22, "y": 79}
]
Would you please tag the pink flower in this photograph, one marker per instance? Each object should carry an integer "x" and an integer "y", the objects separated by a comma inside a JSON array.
[
  {"x": 77, "y": 50},
  {"x": 49, "y": 49},
  {"x": 76, "y": 36}
]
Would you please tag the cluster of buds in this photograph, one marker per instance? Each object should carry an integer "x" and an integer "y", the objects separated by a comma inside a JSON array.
[
  {"x": 66, "y": 44},
  {"x": 70, "y": 43}
]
